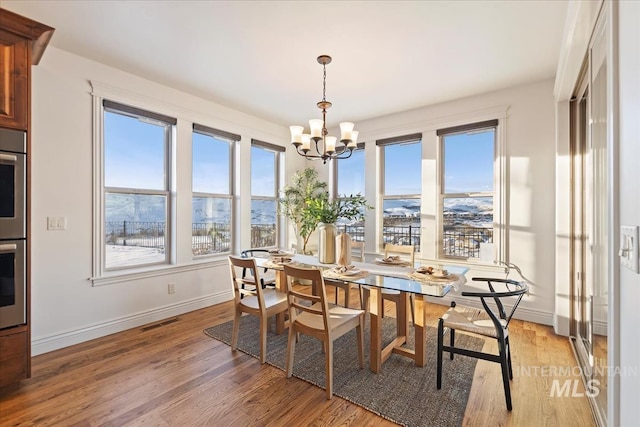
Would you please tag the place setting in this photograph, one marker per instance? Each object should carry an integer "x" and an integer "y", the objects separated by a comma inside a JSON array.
[
  {"x": 432, "y": 274},
  {"x": 394, "y": 260},
  {"x": 348, "y": 272},
  {"x": 278, "y": 258}
]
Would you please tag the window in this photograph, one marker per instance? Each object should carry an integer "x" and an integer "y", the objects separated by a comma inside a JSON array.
[
  {"x": 265, "y": 170},
  {"x": 401, "y": 189},
  {"x": 467, "y": 199},
  {"x": 212, "y": 210},
  {"x": 350, "y": 179},
  {"x": 136, "y": 203}
]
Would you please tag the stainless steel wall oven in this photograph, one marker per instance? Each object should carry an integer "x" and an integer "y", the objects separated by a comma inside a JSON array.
[{"x": 13, "y": 226}]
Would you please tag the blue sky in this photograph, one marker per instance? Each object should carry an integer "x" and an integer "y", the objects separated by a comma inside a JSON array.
[{"x": 134, "y": 158}]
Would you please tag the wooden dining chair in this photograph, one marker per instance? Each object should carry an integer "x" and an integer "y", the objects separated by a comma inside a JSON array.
[
  {"x": 311, "y": 314},
  {"x": 407, "y": 254},
  {"x": 251, "y": 298}
]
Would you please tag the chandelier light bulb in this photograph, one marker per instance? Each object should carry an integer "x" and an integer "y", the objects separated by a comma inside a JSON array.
[
  {"x": 316, "y": 128},
  {"x": 346, "y": 129},
  {"x": 296, "y": 133},
  {"x": 306, "y": 141},
  {"x": 354, "y": 140},
  {"x": 330, "y": 144}
]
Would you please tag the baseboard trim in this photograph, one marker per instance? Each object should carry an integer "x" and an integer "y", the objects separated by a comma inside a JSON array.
[
  {"x": 522, "y": 313},
  {"x": 69, "y": 338}
]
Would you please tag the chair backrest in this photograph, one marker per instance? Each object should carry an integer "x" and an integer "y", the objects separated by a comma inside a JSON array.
[
  {"x": 251, "y": 283},
  {"x": 405, "y": 252},
  {"x": 310, "y": 299},
  {"x": 514, "y": 289},
  {"x": 256, "y": 253},
  {"x": 357, "y": 250}
]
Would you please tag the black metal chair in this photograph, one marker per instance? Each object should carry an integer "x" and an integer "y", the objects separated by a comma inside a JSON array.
[
  {"x": 267, "y": 278},
  {"x": 485, "y": 323}
]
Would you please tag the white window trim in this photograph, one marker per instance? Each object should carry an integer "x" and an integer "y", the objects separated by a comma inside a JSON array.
[
  {"x": 230, "y": 196},
  {"x": 382, "y": 196},
  {"x": 278, "y": 158},
  {"x": 99, "y": 274},
  {"x": 501, "y": 196}
]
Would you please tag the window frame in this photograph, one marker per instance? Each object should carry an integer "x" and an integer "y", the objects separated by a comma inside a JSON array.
[
  {"x": 278, "y": 152},
  {"x": 356, "y": 234},
  {"x": 414, "y": 138},
  {"x": 499, "y": 193},
  {"x": 168, "y": 123},
  {"x": 232, "y": 139}
]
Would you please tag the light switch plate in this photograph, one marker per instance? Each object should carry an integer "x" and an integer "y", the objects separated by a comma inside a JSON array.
[
  {"x": 56, "y": 223},
  {"x": 629, "y": 247}
]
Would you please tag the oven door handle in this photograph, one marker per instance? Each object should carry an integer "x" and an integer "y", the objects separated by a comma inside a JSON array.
[
  {"x": 8, "y": 247},
  {"x": 9, "y": 157}
]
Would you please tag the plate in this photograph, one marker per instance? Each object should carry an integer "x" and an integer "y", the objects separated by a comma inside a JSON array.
[
  {"x": 352, "y": 272},
  {"x": 277, "y": 252},
  {"x": 398, "y": 262},
  {"x": 281, "y": 260}
]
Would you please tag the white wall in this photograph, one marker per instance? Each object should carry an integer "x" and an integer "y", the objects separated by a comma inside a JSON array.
[
  {"x": 529, "y": 126},
  {"x": 66, "y": 308},
  {"x": 629, "y": 208}
]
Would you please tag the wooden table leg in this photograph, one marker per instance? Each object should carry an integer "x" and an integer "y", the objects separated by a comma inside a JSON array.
[
  {"x": 375, "y": 316},
  {"x": 281, "y": 285},
  {"x": 420, "y": 332},
  {"x": 402, "y": 322}
]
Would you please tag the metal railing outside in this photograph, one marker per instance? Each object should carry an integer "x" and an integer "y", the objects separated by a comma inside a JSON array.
[
  {"x": 465, "y": 241},
  {"x": 135, "y": 233},
  {"x": 209, "y": 238},
  {"x": 263, "y": 235},
  {"x": 396, "y": 234}
]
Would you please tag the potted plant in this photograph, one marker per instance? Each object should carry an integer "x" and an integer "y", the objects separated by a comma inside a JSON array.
[
  {"x": 294, "y": 203},
  {"x": 326, "y": 212}
]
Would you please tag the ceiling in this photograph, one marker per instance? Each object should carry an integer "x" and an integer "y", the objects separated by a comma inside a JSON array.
[{"x": 260, "y": 56}]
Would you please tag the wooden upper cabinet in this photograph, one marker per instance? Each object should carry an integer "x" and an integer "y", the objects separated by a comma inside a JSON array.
[
  {"x": 14, "y": 76},
  {"x": 22, "y": 43}
]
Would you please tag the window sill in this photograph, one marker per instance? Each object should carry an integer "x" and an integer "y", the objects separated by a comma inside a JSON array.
[{"x": 121, "y": 276}]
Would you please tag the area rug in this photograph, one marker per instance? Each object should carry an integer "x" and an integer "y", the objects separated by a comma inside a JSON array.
[{"x": 402, "y": 392}]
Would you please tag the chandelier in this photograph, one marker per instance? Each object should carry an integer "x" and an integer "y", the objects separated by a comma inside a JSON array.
[{"x": 326, "y": 147}]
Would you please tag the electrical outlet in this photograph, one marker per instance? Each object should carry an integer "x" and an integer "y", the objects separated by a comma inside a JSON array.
[{"x": 172, "y": 288}]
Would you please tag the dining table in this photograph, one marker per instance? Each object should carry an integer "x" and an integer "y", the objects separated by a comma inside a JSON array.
[{"x": 380, "y": 275}]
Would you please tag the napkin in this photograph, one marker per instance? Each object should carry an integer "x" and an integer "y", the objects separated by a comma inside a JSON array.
[
  {"x": 432, "y": 271},
  {"x": 424, "y": 270},
  {"x": 343, "y": 269},
  {"x": 391, "y": 258}
]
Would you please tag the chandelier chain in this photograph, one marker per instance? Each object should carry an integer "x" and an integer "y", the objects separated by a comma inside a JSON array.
[{"x": 324, "y": 83}]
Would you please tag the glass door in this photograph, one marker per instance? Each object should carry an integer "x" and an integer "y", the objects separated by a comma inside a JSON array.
[{"x": 589, "y": 215}]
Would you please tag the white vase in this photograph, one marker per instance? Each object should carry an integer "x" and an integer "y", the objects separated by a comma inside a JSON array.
[{"x": 327, "y": 243}]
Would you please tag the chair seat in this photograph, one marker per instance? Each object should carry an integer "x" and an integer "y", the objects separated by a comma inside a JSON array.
[
  {"x": 338, "y": 316},
  {"x": 473, "y": 320},
  {"x": 272, "y": 298}
]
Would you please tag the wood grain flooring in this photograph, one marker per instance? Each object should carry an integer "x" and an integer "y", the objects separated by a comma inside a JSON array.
[{"x": 174, "y": 375}]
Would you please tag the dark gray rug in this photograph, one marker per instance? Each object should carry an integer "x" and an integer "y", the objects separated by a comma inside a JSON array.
[{"x": 402, "y": 392}]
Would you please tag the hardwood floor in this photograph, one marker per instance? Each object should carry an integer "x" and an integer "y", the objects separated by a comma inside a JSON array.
[{"x": 174, "y": 375}]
